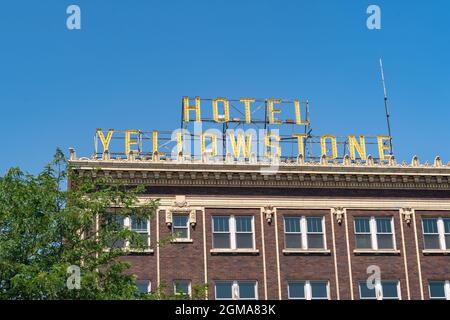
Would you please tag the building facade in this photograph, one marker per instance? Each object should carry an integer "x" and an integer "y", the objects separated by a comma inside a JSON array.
[{"x": 315, "y": 230}]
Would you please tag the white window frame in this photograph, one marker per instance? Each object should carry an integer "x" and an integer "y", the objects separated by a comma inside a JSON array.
[
  {"x": 441, "y": 233},
  {"x": 189, "y": 293},
  {"x": 308, "y": 289},
  {"x": 304, "y": 232},
  {"x": 187, "y": 226},
  {"x": 446, "y": 290},
  {"x": 235, "y": 289},
  {"x": 232, "y": 231},
  {"x": 379, "y": 290},
  {"x": 374, "y": 232}
]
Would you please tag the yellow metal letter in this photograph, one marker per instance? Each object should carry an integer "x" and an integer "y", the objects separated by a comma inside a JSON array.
[
  {"x": 269, "y": 139},
  {"x": 271, "y": 111},
  {"x": 360, "y": 147},
  {"x": 298, "y": 117},
  {"x": 213, "y": 138},
  {"x": 247, "y": 102},
  {"x": 240, "y": 144},
  {"x": 187, "y": 108},
  {"x": 226, "y": 109},
  {"x": 129, "y": 141},
  {"x": 300, "y": 138},
  {"x": 155, "y": 140},
  {"x": 323, "y": 146},
  {"x": 105, "y": 141},
  {"x": 382, "y": 147}
]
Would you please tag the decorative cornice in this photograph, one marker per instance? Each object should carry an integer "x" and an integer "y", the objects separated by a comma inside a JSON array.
[{"x": 297, "y": 174}]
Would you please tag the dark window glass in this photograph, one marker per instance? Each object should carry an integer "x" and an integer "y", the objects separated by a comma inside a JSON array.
[
  {"x": 296, "y": 290},
  {"x": 244, "y": 240},
  {"x": 143, "y": 285},
  {"x": 221, "y": 240},
  {"x": 292, "y": 224},
  {"x": 293, "y": 241},
  {"x": 181, "y": 287},
  {"x": 224, "y": 290},
  {"x": 247, "y": 289},
  {"x": 243, "y": 224},
  {"x": 437, "y": 290},
  {"x": 221, "y": 224},
  {"x": 430, "y": 233},
  {"x": 319, "y": 290},
  {"x": 363, "y": 241},
  {"x": 366, "y": 292},
  {"x": 390, "y": 289},
  {"x": 362, "y": 225},
  {"x": 314, "y": 233}
]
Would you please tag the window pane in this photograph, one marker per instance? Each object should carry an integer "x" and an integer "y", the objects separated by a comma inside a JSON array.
[
  {"x": 180, "y": 221},
  {"x": 139, "y": 224},
  {"x": 221, "y": 224},
  {"x": 390, "y": 289},
  {"x": 446, "y": 225},
  {"x": 247, "y": 290},
  {"x": 385, "y": 241},
  {"x": 143, "y": 285},
  {"x": 221, "y": 240},
  {"x": 244, "y": 240},
  {"x": 315, "y": 241},
  {"x": 182, "y": 287},
  {"x": 144, "y": 240},
  {"x": 383, "y": 225},
  {"x": 292, "y": 224},
  {"x": 447, "y": 241},
  {"x": 296, "y": 290},
  {"x": 314, "y": 224},
  {"x": 319, "y": 290},
  {"x": 437, "y": 290},
  {"x": 180, "y": 233},
  {"x": 293, "y": 241},
  {"x": 365, "y": 292},
  {"x": 244, "y": 224},
  {"x": 430, "y": 225},
  {"x": 223, "y": 290},
  {"x": 431, "y": 241},
  {"x": 363, "y": 241},
  {"x": 362, "y": 225}
]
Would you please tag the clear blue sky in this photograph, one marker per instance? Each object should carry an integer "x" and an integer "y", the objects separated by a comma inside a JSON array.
[{"x": 132, "y": 61}]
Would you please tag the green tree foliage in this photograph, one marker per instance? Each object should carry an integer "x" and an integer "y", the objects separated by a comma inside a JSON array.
[{"x": 46, "y": 227}]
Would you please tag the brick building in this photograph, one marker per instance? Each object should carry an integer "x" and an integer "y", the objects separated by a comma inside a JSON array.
[{"x": 306, "y": 231}]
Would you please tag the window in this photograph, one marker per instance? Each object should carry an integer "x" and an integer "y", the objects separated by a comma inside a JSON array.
[
  {"x": 439, "y": 290},
  {"x": 144, "y": 286},
  {"x": 142, "y": 227},
  {"x": 118, "y": 221},
  {"x": 236, "y": 290},
  {"x": 304, "y": 233},
  {"x": 182, "y": 287},
  {"x": 233, "y": 232},
  {"x": 308, "y": 290},
  {"x": 381, "y": 290},
  {"x": 374, "y": 233},
  {"x": 436, "y": 233},
  {"x": 292, "y": 234},
  {"x": 180, "y": 227}
]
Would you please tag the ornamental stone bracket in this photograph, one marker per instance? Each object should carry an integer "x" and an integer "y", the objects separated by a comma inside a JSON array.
[
  {"x": 338, "y": 212},
  {"x": 406, "y": 214},
  {"x": 180, "y": 205},
  {"x": 269, "y": 213}
]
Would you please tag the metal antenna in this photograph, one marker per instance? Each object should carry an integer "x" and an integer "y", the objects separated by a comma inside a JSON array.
[{"x": 386, "y": 108}]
